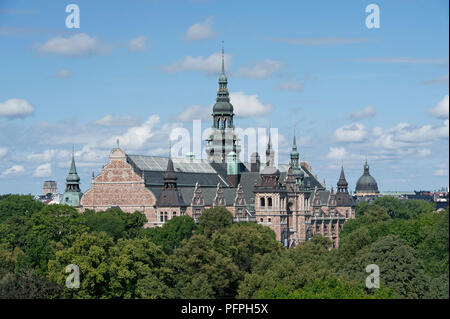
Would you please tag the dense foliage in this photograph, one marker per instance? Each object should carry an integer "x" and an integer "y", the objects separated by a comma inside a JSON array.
[{"x": 217, "y": 258}]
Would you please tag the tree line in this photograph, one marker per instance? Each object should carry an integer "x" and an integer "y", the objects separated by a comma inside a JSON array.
[{"x": 217, "y": 258}]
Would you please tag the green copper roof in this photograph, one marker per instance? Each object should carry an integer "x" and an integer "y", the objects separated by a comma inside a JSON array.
[{"x": 73, "y": 176}]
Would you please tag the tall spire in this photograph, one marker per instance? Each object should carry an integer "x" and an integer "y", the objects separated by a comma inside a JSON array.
[
  {"x": 223, "y": 60},
  {"x": 72, "y": 194},
  {"x": 73, "y": 168},
  {"x": 294, "y": 153}
]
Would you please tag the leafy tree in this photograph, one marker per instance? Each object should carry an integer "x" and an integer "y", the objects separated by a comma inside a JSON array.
[
  {"x": 115, "y": 222},
  {"x": 242, "y": 241},
  {"x": 18, "y": 205},
  {"x": 170, "y": 235},
  {"x": 131, "y": 268},
  {"x": 197, "y": 256},
  {"x": 8, "y": 258},
  {"x": 134, "y": 260},
  {"x": 90, "y": 252},
  {"x": 28, "y": 286},
  {"x": 52, "y": 228},
  {"x": 214, "y": 219},
  {"x": 328, "y": 288},
  {"x": 400, "y": 269}
]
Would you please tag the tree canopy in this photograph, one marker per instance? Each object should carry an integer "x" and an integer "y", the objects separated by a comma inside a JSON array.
[{"x": 217, "y": 258}]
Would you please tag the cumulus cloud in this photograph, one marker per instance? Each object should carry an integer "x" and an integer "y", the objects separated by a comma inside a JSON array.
[
  {"x": 355, "y": 132},
  {"x": 441, "y": 109},
  {"x": 195, "y": 112},
  {"x": 209, "y": 65},
  {"x": 260, "y": 70},
  {"x": 405, "y": 132},
  {"x": 47, "y": 155},
  {"x": 3, "y": 151},
  {"x": 110, "y": 120},
  {"x": 76, "y": 45},
  {"x": 14, "y": 170},
  {"x": 291, "y": 86},
  {"x": 200, "y": 31},
  {"x": 44, "y": 170},
  {"x": 367, "y": 112},
  {"x": 138, "y": 44},
  {"x": 247, "y": 105},
  {"x": 62, "y": 74},
  {"x": 16, "y": 108},
  {"x": 137, "y": 136},
  {"x": 337, "y": 153}
]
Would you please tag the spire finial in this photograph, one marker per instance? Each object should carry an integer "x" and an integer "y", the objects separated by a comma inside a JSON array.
[
  {"x": 223, "y": 59},
  {"x": 170, "y": 148},
  {"x": 118, "y": 143},
  {"x": 295, "y": 140}
]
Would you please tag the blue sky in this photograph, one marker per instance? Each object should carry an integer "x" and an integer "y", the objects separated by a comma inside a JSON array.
[{"x": 135, "y": 70}]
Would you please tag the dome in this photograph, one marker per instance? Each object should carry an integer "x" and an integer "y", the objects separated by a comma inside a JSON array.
[
  {"x": 223, "y": 78},
  {"x": 366, "y": 183},
  {"x": 72, "y": 178},
  {"x": 223, "y": 107}
]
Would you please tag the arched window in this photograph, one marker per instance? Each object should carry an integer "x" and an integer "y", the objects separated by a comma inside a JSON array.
[
  {"x": 174, "y": 214},
  {"x": 224, "y": 123},
  {"x": 262, "y": 202},
  {"x": 269, "y": 201}
]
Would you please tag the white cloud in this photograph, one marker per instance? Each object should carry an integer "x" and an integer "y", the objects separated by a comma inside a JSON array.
[
  {"x": 367, "y": 112},
  {"x": 76, "y": 45},
  {"x": 260, "y": 70},
  {"x": 111, "y": 120},
  {"x": 337, "y": 153},
  {"x": 247, "y": 105},
  {"x": 137, "y": 136},
  {"x": 200, "y": 31},
  {"x": 45, "y": 156},
  {"x": 138, "y": 44},
  {"x": 441, "y": 172},
  {"x": 48, "y": 155},
  {"x": 3, "y": 151},
  {"x": 62, "y": 74},
  {"x": 441, "y": 109},
  {"x": 291, "y": 86},
  {"x": 209, "y": 65},
  {"x": 195, "y": 112},
  {"x": 44, "y": 170},
  {"x": 16, "y": 108},
  {"x": 355, "y": 132},
  {"x": 405, "y": 132},
  {"x": 14, "y": 170}
]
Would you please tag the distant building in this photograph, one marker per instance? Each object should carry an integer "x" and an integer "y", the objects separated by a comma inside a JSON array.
[
  {"x": 49, "y": 187},
  {"x": 72, "y": 194},
  {"x": 366, "y": 186}
]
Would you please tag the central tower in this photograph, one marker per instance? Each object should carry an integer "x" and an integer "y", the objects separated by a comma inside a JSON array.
[{"x": 222, "y": 140}]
